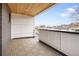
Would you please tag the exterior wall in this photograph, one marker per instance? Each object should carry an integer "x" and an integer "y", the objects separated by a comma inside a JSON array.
[
  {"x": 6, "y": 33},
  {"x": 21, "y": 26},
  {"x": 0, "y": 29}
]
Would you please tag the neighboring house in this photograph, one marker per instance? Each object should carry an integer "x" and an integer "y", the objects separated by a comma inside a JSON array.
[{"x": 74, "y": 26}]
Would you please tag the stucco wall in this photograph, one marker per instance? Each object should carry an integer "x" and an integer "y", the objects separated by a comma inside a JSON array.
[
  {"x": 6, "y": 33},
  {"x": 0, "y": 29}
]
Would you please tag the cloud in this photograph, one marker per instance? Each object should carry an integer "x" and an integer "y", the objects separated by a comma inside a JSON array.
[
  {"x": 76, "y": 6},
  {"x": 71, "y": 10},
  {"x": 64, "y": 14},
  {"x": 68, "y": 11}
]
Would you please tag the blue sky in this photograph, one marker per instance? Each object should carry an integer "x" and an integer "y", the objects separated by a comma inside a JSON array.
[{"x": 55, "y": 15}]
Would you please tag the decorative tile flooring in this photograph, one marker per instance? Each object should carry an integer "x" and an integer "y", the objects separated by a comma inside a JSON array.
[{"x": 29, "y": 47}]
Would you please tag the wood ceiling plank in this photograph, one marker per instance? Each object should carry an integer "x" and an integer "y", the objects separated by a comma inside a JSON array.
[
  {"x": 39, "y": 8},
  {"x": 31, "y": 9},
  {"x": 12, "y": 7}
]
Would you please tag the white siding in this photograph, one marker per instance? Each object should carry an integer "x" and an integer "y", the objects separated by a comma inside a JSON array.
[
  {"x": 64, "y": 42},
  {"x": 69, "y": 44},
  {"x": 51, "y": 38},
  {"x": 54, "y": 39},
  {"x": 21, "y": 25}
]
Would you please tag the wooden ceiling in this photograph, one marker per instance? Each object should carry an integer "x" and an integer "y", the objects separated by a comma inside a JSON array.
[{"x": 30, "y": 9}]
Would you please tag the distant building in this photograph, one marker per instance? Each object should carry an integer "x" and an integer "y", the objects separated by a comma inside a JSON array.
[{"x": 74, "y": 26}]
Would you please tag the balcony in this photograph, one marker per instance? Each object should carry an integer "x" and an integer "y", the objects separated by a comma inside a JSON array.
[{"x": 64, "y": 41}]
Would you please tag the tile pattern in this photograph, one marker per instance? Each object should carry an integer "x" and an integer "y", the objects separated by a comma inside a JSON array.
[{"x": 29, "y": 47}]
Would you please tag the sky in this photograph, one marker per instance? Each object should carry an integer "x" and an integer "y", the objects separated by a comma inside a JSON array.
[{"x": 57, "y": 15}]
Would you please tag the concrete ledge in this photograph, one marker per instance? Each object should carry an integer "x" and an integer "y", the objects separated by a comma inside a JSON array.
[{"x": 62, "y": 31}]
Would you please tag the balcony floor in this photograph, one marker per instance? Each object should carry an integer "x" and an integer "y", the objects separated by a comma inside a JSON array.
[{"x": 29, "y": 47}]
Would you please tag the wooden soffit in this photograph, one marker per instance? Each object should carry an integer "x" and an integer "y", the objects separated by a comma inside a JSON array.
[{"x": 30, "y": 9}]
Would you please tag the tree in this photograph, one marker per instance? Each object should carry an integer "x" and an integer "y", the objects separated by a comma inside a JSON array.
[{"x": 75, "y": 15}]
